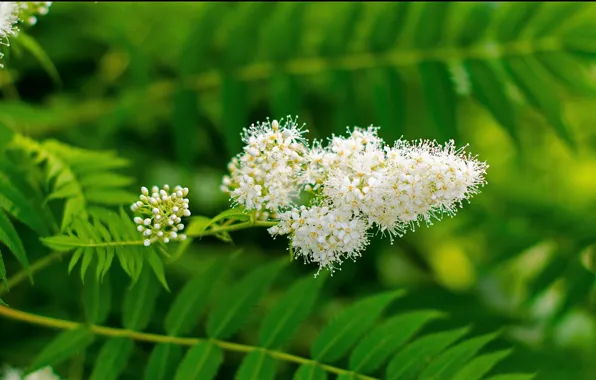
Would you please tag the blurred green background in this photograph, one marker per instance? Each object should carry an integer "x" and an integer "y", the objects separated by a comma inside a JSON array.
[{"x": 171, "y": 85}]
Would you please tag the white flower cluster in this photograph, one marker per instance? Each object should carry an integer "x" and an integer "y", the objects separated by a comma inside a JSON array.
[
  {"x": 161, "y": 213},
  {"x": 16, "y": 374},
  {"x": 357, "y": 182},
  {"x": 11, "y": 12},
  {"x": 265, "y": 177}
]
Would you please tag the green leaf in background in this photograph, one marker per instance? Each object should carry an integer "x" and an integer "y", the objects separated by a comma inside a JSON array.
[
  {"x": 342, "y": 332},
  {"x": 6, "y": 135},
  {"x": 201, "y": 362},
  {"x": 310, "y": 372},
  {"x": 64, "y": 346},
  {"x": 16, "y": 204},
  {"x": 385, "y": 339},
  {"x": 139, "y": 302},
  {"x": 486, "y": 82},
  {"x": 10, "y": 238},
  {"x": 534, "y": 81},
  {"x": 163, "y": 361},
  {"x": 3, "y": 272},
  {"x": 389, "y": 93},
  {"x": 440, "y": 98},
  {"x": 256, "y": 366},
  {"x": 408, "y": 363},
  {"x": 157, "y": 266},
  {"x": 112, "y": 359},
  {"x": 515, "y": 18},
  {"x": 513, "y": 376},
  {"x": 29, "y": 44},
  {"x": 283, "y": 320},
  {"x": 97, "y": 298},
  {"x": 479, "y": 366},
  {"x": 186, "y": 310},
  {"x": 234, "y": 113},
  {"x": 446, "y": 365},
  {"x": 231, "y": 311}
]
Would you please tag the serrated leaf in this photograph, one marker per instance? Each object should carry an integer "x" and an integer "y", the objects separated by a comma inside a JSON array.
[
  {"x": 139, "y": 302},
  {"x": 61, "y": 243},
  {"x": 513, "y": 376},
  {"x": 342, "y": 332},
  {"x": 63, "y": 347},
  {"x": 535, "y": 83},
  {"x": 440, "y": 97},
  {"x": 201, "y": 362},
  {"x": 478, "y": 367},
  {"x": 10, "y": 238},
  {"x": 384, "y": 340},
  {"x": 409, "y": 361},
  {"x": 16, "y": 204},
  {"x": 285, "y": 317},
  {"x": 75, "y": 259},
  {"x": 157, "y": 267},
  {"x": 516, "y": 16},
  {"x": 231, "y": 214},
  {"x": 310, "y": 372},
  {"x": 487, "y": 86},
  {"x": 87, "y": 258},
  {"x": 446, "y": 365},
  {"x": 97, "y": 298},
  {"x": 112, "y": 359},
  {"x": 228, "y": 316},
  {"x": 568, "y": 71},
  {"x": 256, "y": 366},
  {"x": 163, "y": 361},
  {"x": 186, "y": 310}
]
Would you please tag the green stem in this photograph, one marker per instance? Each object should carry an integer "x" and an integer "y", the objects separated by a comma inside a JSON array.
[
  {"x": 157, "y": 338},
  {"x": 36, "y": 266}
]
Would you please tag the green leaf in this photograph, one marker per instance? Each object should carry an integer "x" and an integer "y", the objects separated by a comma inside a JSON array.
[
  {"x": 6, "y": 135},
  {"x": 105, "y": 179},
  {"x": 568, "y": 71},
  {"x": 231, "y": 214},
  {"x": 516, "y": 16},
  {"x": 62, "y": 243},
  {"x": 201, "y": 362},
  {"x": 3, "y": 272},
  {"x": 283, "y": 320},
  {"x": 87, "y": 258},
  {"x": 487, "y": 86},
  {"x": 75, "y": 259},
  {"x": 385, "y": 339},
  {"x": 139, "y": 302},
  {"x": 513, "y": 376},
  {"x": 185, "y": 123},
  {"x": 478, "y": 367},
  {"x": 310, "y": 372},
  {"x": 63, "y": 347},
  {"x": 475, "y": 24},
  {"x": 112, "y": 359},
  {"x": 97, "y": 298},
  {"x": 230, "y": 313},
  {"x": 256, "y": 366},
  {"x": 39, "y": 54},
  {"x": 342, "y": 332},
  {"x": 14, "y": 202},
  {"x": 389, "y": 91},
  {"x": 157, "y": 266},
  {"x": 186, "y": 310},
  {"x": 440, "y": 97},
  {"x": 408, "y": 363},
  {"x": 446, "y": 365},
  {"x": 536, "y": 85},
  {"x": 10, "y": 238},
  {"x": 431, "y": 22},
  {"x": 110, "y": 196},
  {"x": 234, "y": 113},
  {"x": 163, "y": 361}
]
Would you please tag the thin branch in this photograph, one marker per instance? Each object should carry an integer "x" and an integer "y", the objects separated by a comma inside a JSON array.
[
  {"x": 157, "y": 338},
  {"x": 36, "y": 266}
]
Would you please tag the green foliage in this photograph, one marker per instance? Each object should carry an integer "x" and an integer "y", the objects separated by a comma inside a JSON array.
[{"x": 439, "y": 355}]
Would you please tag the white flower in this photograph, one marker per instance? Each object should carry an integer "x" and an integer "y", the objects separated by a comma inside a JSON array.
[
  {"x": 15, "y": 374},
  {"x": 357, "y": 181},
  {"x": 9, "y": 16},
  {"x": 323, "y": 235},
  {"x": 161, "y": 205},
  {"x": 265, "y": 177}
]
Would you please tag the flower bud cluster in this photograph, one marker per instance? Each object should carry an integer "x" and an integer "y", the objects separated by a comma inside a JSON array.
[
  {"x": 161, "y": 213},
  {"x": 357, "y": 182},
  {"x": 30, "y": 10}
]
